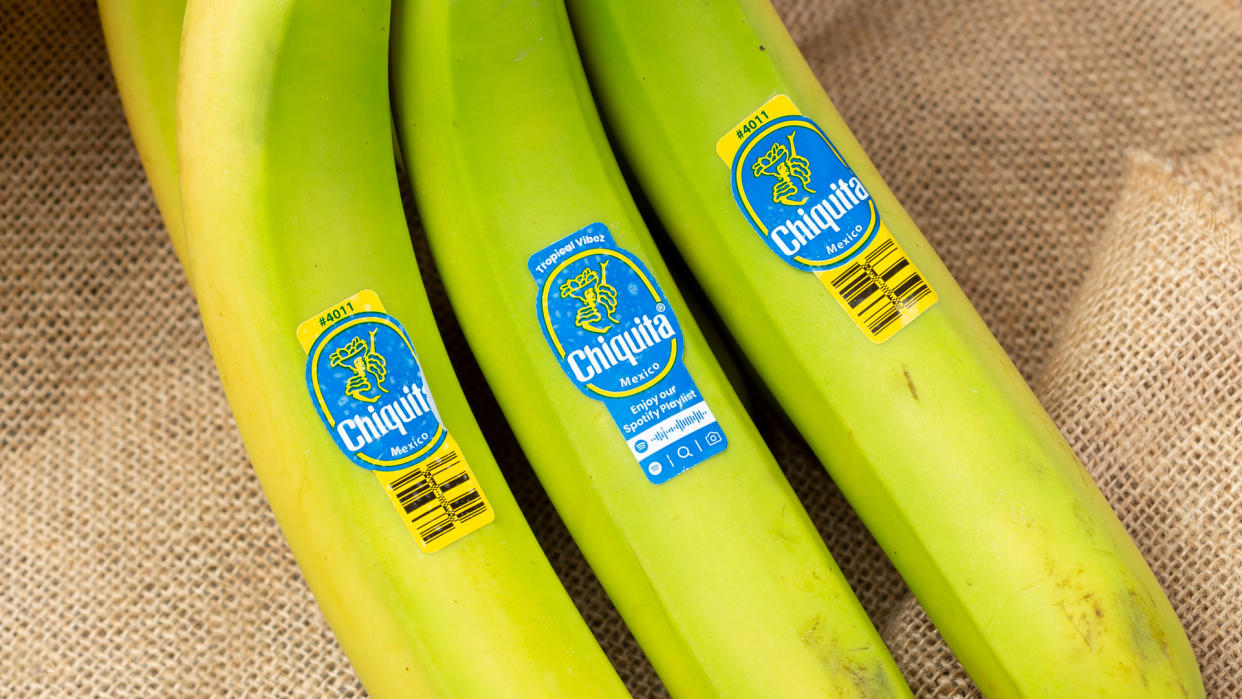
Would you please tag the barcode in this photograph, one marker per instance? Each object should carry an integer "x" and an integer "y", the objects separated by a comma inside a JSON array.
[
  {"x": 881, "y": 288},
  {"x": 438, "y": 497}
]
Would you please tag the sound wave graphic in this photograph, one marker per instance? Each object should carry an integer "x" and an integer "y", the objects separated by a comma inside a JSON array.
[{"x": 679, "y": 426}]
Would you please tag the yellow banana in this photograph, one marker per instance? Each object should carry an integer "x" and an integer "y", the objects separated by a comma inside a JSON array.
[
  {"x": 877, "y": 356},
  {"x": 715, "y": 565},
  {"x": 296, "y": 239}
]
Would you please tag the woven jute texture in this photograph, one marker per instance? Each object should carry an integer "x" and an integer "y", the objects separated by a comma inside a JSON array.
[{"x": 1077, "y": 164}]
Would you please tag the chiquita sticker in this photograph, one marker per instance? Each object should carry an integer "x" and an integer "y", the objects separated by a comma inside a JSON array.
[
  {"x": 616, "y": 337},
  {"x": 811, "y": 209},
  {"x": 368, "y": 388}
]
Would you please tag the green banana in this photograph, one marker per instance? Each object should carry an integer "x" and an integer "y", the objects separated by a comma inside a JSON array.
[
  {"x": 143, "y": 39},
  {"x": 718, "y": 571},
  {"x": 931, "y": 433},
  {"x": 290, "y": 204}
]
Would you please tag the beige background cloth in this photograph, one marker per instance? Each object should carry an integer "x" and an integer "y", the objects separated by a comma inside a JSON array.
[{"x": 1078, "y": 165}]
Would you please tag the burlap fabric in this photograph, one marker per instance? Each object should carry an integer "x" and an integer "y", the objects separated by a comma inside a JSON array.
[{"x": 1076, "y": 164}]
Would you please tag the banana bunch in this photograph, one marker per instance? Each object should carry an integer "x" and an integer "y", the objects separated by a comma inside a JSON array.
[
  {"x": 626, "y": 417},
  {"x": 295, "y": 237},
  {"x": 279, "y": 192},
  {"x": 876, "y": 355}
]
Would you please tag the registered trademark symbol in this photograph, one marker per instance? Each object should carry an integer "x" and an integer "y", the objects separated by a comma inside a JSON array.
[{"x": 660, "y": 307}]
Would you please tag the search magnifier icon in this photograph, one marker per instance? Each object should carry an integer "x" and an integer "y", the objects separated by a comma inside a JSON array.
[{"x": 683, "y": 452}]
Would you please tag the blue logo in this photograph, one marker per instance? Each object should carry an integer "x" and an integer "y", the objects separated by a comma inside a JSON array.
[
  {"x": 608, "y": 322},
  {"x": 800, "y": 195},
  {"x": 615, "y": 336},
  {"x": 367, "y": 386}
]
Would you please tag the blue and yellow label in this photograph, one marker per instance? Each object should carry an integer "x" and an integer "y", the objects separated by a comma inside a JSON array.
[
  {"x": 797, "y": 190},
  {"x": 369, "y": 389},
  {"x": 616, "y": 337},
  {"x": 811, "y": 209}
]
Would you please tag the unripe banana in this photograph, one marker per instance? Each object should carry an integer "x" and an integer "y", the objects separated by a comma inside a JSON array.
[
  {"x": 878, "y": 357},
  {"x": 143, "y": 39},
  {"x": 568, "y": 307},
  {"x": 297, "y": 242}
]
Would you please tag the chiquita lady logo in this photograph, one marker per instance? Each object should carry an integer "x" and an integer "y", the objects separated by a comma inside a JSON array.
[
  {"x": 369, "y": 389},
  {"x": 366, "y": 364},
  {"x": 802, "y": 198},
  {"x": 592, "y": 289},
  {"x": 791, "y": 171}
]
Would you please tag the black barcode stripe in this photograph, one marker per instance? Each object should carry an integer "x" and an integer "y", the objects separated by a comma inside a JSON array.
[
  {"x": 920, "y": 293},
  {"x": 437, "y": 529},
  {"x": 455, "y": 481},
  {"x": 871, "y": 308},
  {"x": 881, "y": 251},
  {"x": 402, "y": 481},
  {"x": 428, "y": 497},
  {"x": 856, "y": 289},
  {"x": 415, "y": 491},
  {"x": 878, "y": 326},
  {"x": 904, "y": 288},
  {"x": 460, "y": 502},
  {"x": 433, "y": 512},
  {"x": 848, "y": 272},
  {"x": 472, "y": 511},
  {"x": 865, "y": 292},
  {"x": 897, "y": 267}
]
